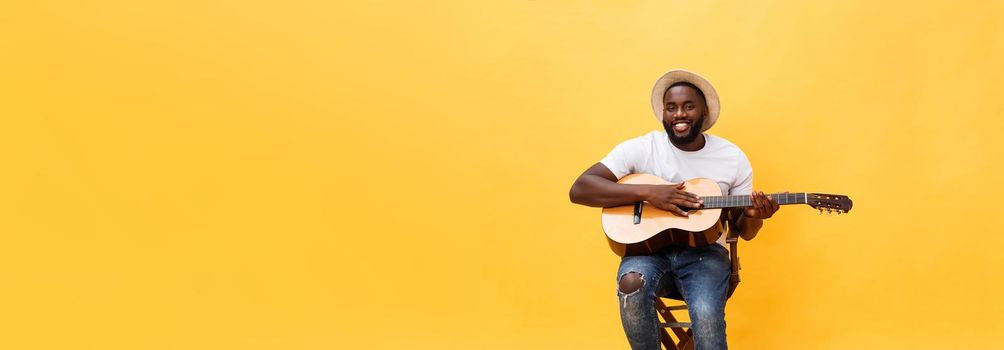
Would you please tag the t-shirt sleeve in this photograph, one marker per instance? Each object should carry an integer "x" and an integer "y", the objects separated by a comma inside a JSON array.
[
  {"x": 743, "y": 184},
  {"x": 623, "y": 159}
]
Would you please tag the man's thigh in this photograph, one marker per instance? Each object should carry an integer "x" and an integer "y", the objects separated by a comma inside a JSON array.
[
  {"x": 650, "y": 269},
  {"x": 702, "y": 274}
]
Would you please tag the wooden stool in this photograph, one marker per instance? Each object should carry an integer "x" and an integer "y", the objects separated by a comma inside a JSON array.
[
  {"x": 681, "y": 330},
  {"x": 682, "y": 335}
]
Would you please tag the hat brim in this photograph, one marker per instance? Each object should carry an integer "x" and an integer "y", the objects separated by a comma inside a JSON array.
[{"x": 676, "y": 76}]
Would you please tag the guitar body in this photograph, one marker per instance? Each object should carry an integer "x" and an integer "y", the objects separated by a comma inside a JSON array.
[{"x": 644, "y": 234}]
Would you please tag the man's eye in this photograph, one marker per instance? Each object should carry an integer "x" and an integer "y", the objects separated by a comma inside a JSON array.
[{"x": 690, "y": 107}]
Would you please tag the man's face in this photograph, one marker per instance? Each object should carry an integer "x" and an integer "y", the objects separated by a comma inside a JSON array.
[{"x": 683, "y": 114}]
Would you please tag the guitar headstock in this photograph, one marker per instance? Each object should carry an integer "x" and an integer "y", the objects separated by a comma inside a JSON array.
[{"x": 829, "y": 202}]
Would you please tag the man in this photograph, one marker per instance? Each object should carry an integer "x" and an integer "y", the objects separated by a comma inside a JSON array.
[{"x": 687, "y": 105}]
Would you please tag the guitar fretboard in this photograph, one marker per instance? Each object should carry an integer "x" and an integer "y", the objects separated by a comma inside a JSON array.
[{"x": 712, "y": 202}]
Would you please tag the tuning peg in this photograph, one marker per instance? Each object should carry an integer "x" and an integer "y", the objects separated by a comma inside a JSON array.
[
  {"x": 829, "y": 211},
  {"x": 820, "y": 211}
]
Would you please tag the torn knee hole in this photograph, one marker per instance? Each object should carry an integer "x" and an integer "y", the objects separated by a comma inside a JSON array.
[{"x": 631, "y": 282}]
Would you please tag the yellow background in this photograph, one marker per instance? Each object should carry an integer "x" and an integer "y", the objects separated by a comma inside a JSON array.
[{"x": 391, "y": 175}]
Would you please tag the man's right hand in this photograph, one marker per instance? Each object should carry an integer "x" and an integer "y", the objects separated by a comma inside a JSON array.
[
  {"x": 598, "y": 187},
  {"x": 673, "y": 198}
]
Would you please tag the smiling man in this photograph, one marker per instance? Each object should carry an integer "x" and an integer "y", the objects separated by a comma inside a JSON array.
[{"x": 687, "y": 105}]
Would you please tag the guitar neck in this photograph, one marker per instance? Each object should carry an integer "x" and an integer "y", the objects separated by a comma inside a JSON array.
[{"x": 712, "y": 202}]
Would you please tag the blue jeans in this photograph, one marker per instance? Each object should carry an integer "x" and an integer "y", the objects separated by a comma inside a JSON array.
[{"x": 699, "y": 276}]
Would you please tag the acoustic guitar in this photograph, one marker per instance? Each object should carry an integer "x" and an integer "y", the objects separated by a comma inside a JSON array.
[{"x": 642, "y": 229}]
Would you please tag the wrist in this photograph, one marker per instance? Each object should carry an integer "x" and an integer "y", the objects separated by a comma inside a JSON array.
[{"x": 643, "y": 193}]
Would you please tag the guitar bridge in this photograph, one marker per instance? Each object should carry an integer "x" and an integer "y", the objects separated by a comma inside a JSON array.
[{"x": 637, "y": 212}]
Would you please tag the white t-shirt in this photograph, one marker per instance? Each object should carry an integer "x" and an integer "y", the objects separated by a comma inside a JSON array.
[{"x": 719, "y": 160}]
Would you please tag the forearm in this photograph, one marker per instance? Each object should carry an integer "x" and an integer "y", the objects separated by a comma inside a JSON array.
[
  {"x": 747, "y": 227},
  {"x": 596, "y": 191}
]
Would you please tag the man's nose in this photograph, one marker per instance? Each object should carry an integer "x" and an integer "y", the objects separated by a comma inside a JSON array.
[{"x": 679, "y": 113}]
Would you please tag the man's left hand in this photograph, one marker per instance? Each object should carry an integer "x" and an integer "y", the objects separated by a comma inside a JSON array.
[{"x": 763, "y": 206}]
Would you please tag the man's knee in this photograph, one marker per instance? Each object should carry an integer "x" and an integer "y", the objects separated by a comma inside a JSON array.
[
  {"x": 631, "y": 282},
  {"x": 706, "y": 310}
]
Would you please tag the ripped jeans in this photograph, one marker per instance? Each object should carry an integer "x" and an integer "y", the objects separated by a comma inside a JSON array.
[{"x": 700, "y": 276}]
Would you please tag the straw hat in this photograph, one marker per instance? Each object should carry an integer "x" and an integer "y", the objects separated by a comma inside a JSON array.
[{"x": 678, "y": 75}]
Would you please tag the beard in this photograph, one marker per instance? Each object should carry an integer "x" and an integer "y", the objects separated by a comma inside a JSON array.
[{"x": 692, "y": 134}]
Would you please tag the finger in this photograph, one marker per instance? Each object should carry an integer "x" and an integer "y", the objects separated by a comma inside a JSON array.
[
  {"x": 696, "y": 201},
  {"x": 676, "y": 210},
  {"x": 680, "y": 191},
  {"x": 686, "y": 202},
  {"x": 693, "y": 198},
  {"x": 751, "y": 210},
  {"x": 769, "y": 205},
  {"x": 680, "y": 185},
  {"x": 765, "y": 202},
  {"x": 761, "y": 206}
]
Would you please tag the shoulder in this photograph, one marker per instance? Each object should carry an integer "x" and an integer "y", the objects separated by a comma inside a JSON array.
[
  {"x": 644, "y": 141},
  {"x": 631, "y": 155}
]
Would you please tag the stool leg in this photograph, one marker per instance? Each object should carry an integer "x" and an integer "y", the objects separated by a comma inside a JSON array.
[
  {"x": 667, "y": 341},
  {"x": 686, "y": 337},
  {"x": 688, "y": 343}
]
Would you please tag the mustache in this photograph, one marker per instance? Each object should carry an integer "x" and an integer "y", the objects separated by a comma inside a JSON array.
[{"x": 695, "y": 131}]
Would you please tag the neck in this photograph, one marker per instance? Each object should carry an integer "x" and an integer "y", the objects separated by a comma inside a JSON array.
[
  {"x": 695, "y": 145},
  {"x": 711, "y": 202}
]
